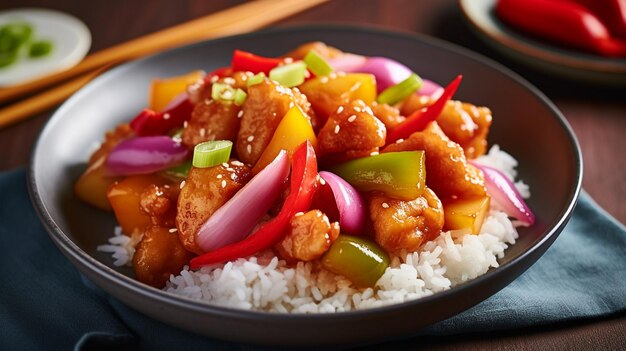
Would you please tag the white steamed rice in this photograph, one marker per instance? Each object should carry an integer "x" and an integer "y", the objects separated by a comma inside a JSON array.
[{"x": 265, "y": 283}]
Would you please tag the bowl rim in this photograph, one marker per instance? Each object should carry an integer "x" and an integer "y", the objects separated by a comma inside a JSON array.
[{"x": 71, "y": 249}]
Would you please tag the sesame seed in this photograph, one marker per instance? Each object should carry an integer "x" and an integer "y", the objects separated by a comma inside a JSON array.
[
  {"x": 237, "y": 163},
  {"x": 166, "y": 116},
  {"x": 166, "y": 186},
  {"x": 233, "y": 176},
  {"x": 223, "y": 183},
  {"x": 298, "y": 214},
  {"x": 225, "y": 164},
  {"x": 214, "y": 79},
  {"x": 249, "y": 148},
  {"x": 291, "y": 105},
  {"x": 219, "y": 176},
  {"x": 230, "y": 169},
  {"x": 202, "y": 132},
  {"x": 227, "y": 95},
  {"x": 399, "y": 141},
  {"x": 322, "y": 181},
  {"x": 385, "y": 205},
  {"x": 173, "y": 230},
  {"x": 159, "y": 193},
  {"x": 340, "y": 109},
  {"x": 185, "y": 124},
  {"x": 357, "y": 109},
  {"x": 250, "y": 138},
  {"x": 240, "y": 114},
  {"x": 324, "y": 80},
  {"x": 352, "y": 118},
  {"x": 337, "y": 128},
  {"x": 229, "y": 80},
  {"x": 182, "y": 184},
  {"x": 374, "y": 153}
]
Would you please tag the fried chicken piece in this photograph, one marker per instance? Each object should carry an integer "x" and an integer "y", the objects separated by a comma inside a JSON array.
[
  {"x": 211, "y": 120},
  {"x": 447, "y": 170},
  {"x": 265, "y": 107},
  {"x": 405, "y": 225},
  {"x": 205, "y": 190},
  {"x": 353, "y": 127},
  {"x": 159, "y": 202},
  {"x": 158, "y": 255},
  {"x": 464, "y": 123},
  {"x": 389, "y": 115},
  {"x": 309, "y": 237}
]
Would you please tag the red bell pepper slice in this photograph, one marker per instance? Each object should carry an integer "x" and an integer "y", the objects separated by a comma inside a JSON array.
[
  {"x": 419, "y": 119},
  {"x": 149, "y": 122},
  {"x": 303, "y": 184},
  {"x": 245, "y": 61},
  {"x": 219, "y": 73}
]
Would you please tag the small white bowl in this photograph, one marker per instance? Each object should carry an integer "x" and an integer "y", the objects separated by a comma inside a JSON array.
[{"x": 71, "y": 42}]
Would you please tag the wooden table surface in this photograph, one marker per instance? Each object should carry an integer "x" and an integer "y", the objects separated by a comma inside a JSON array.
[{"x": 598, "y": 116}]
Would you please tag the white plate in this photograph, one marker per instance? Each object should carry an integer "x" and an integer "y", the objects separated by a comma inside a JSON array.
[
  {"x": 560, "y": 61},
  {"x": 71, "y": 41}
]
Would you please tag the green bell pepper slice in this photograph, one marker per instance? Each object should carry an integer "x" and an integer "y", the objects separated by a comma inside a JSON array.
[
  {"x": 401, "y": 175},
  {"x": 358, "y": 259}
]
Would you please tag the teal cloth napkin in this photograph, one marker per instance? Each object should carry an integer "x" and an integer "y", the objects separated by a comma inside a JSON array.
[{"x": 46, "y": 304}]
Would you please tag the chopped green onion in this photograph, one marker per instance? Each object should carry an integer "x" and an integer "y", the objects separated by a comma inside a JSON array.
[
  {"x": 181, "y": 171},
  {"x": 222, "y": 92},
  {"x": 211, "y": 153},
  {"x": 40, "y": 48},
  {"x": 240, "y": 97},
  {"x": 7, "y": 58},
  {"x": 317, "y": 64},
  {"x": 13, "y": 35},
  {"x": 256, "y": 79},
  {"x": 401, "y": 90},
  {"x": 290, "y": 75}
]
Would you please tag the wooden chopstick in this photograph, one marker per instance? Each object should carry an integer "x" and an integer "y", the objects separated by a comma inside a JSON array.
[{"x": 239, "y": 19}]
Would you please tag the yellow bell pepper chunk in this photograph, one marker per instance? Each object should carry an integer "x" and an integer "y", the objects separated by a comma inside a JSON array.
[
  {"x": 125, "y": 198},
  {"x": 465, "y": 213},
  {"x": 92, "y": 186},
  {"x": 162, "y": 91},
  {"x": 293, "y": 130}
]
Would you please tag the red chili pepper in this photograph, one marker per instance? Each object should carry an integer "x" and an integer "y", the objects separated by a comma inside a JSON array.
[
  {"x": 303, "y": 181},
  {"x": 568, "y": 23},
  {"x": 245, "y": 61},
  {"x": 611, "y": 12},
  {"x": 419, "y": 119},
  {"x": 149, "y": 122}
]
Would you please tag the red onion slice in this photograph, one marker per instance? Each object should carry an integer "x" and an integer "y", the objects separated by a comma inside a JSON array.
[
  {"x": 349, "y": 203},
  {"x": 237, "y": 217},
  {"x": 142, "y": 155},
  {"x": 503, "y": 191}
]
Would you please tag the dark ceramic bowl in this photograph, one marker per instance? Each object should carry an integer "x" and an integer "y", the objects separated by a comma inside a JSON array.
[{"x": 526, "y": 125}]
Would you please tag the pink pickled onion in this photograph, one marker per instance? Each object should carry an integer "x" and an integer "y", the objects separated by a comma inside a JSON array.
[
  {"x": 388, "y": 72},
  {"x": 430, "y": 88},
  {"x": 237, "y": 217},
  {"x": 503, "y": 191},
  {"x": 147, "y": 154},
  {"x": 349, "y": 203},
  {"x": 347, "y": 62}
]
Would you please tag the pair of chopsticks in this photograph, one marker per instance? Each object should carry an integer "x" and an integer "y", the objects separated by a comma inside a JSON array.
[{"x": 239, "y": 19}]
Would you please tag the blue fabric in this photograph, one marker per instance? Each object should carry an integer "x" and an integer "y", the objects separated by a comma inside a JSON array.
[{"x": 46, "y": 304}]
